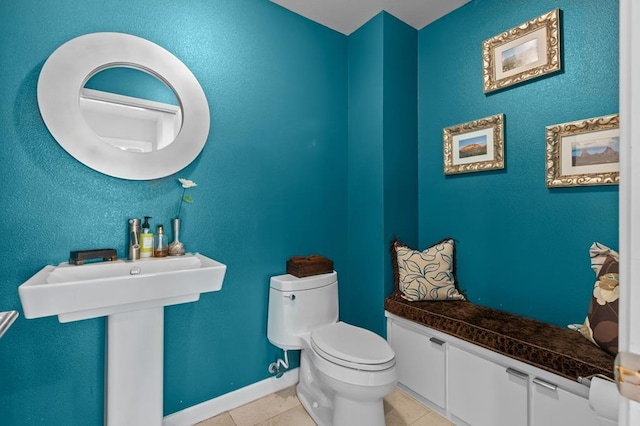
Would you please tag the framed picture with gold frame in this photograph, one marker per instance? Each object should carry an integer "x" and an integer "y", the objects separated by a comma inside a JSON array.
[
  {"x": 584, "y": 152},
  {"x": 474, "y": 146},
  {"x": 530, "y": 50}
]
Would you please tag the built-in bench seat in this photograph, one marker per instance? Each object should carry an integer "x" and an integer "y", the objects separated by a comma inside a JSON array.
[{"x": 558, "y": 350}]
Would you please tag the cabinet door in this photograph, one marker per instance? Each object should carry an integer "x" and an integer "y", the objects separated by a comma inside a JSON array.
[
  {"x": 552, "y": 406},
  {"x": 483, "y": 393},
  {"x": 419, "y": 362}
]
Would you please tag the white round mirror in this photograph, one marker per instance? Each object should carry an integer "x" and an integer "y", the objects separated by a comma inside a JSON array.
[{"x": 122, "y": 133}]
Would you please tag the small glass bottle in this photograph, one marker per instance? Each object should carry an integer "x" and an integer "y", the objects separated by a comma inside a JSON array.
[{"x": 160, "y": 243}]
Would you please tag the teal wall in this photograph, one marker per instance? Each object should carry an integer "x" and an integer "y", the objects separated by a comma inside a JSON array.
[
  {"x": 521, "y": 247},
  {"x": 365, "y": 166},
  {"x": 400, "y": 151},
  {"x": 382, "y": 162},
  {"x": 319, "y": 143},
  {"x": 270, "y": 185}
]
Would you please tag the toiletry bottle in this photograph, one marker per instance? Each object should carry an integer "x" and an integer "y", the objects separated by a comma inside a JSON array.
[
  {"x": 146, "y": 239},
  {"x": 160, "y": 243}
]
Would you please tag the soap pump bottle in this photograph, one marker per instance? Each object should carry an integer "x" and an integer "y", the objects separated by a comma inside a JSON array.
[
  {"x": 146, "y": 239},
  {"x": 160, "y": 243}
]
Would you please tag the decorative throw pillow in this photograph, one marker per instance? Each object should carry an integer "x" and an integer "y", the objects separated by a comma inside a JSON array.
[
  {"x": 425, "y": 275},
  {"x": 601, "y": 324}
]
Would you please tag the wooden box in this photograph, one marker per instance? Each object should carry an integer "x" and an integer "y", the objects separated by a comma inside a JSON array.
[{"x": 314, "y": 264}]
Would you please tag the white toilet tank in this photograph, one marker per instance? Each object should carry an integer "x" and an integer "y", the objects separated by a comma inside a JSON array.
[{"x": 298, "y": 305}]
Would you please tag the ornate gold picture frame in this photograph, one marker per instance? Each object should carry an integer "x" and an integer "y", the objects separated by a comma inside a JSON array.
[
  {"x": 527, "y": 51},
  {"x": 474, "y": 146},
  {"x": 584, "y": 152}
]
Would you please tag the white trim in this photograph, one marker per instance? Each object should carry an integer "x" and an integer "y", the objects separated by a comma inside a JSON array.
[
  {"x": 213, "y": 407},
  {"x": 629, "y": 198}
]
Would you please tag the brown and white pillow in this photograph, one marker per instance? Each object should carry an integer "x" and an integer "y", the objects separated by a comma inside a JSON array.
[
  {"x": 427, "y": 274},
  {"x": 601, "y": 324}
]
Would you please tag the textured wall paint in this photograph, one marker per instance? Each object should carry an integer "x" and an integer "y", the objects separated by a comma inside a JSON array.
[
  {"x": 272, "y": 179},
  {"x": 271, "y": 185},
  {"x": 521, "y": 247},
  {"x": 382, "y": 166},
  {"x": 400, "y": 139},
  {"x": 365, "y": 194}
]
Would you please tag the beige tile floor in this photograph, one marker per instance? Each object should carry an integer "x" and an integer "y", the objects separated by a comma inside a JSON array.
[{"x": 283, "y": 409}]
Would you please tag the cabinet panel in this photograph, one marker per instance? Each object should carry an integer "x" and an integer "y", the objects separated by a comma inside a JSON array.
[
  {"x": 482, "y": 388},
  {"x": 553, "y": 406},
  {"x": 483, "y": 393},
  {"x": 420, "y": 362}
]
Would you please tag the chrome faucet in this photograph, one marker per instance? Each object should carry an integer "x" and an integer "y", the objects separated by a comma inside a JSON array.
[
  {"x": 6, "y": 319},
  {"x": 134, "y": 239}
]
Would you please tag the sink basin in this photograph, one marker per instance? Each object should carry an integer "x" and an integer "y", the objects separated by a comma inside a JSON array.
[{"x": 101, "y": 289}]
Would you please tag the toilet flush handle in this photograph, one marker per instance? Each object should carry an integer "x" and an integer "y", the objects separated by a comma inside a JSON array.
[{"x": 290, "y": 296}]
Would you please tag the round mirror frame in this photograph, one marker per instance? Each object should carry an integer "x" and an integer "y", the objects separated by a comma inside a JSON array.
[{"x": 65, "y": 73}]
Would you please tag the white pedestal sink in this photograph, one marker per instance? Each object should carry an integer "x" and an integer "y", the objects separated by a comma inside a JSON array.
[{"x": 133, "y": 296}]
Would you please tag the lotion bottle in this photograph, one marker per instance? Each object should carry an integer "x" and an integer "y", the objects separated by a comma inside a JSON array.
[
  {"x": 146, "y": 239},
  {"x": 160, "y": 243}
]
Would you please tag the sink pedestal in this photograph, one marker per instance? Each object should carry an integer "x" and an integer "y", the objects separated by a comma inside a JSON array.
[
  {"x": 132, "y": 295},
  {"x": 135, "y": 355}
]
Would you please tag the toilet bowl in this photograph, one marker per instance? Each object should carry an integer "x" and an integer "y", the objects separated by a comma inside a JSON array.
[
  {"x": 345, "y": 371},
  {"x": 358, "y": 369}
]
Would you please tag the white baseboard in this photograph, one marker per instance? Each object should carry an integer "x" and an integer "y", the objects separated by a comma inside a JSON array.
[{"x": 213, "y": 407}]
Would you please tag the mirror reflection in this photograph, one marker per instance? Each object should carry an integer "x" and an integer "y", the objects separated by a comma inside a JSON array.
[{"x": 131, "y": 109}]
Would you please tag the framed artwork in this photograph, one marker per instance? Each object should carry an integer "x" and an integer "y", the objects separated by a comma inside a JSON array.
[
  {"x": 585, "y": 152},
  {"x": 474, "y": 146},
  {"x": 527, "y": 51}
]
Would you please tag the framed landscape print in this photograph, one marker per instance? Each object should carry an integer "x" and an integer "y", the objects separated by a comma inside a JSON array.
[
  {"x": 584, "y": 152},
  {"x": 527, "y": 51},
  {"x": 474, "y": 146}
]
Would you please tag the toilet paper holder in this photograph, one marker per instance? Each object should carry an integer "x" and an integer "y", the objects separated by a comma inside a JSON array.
[{"x": 604, "y": 399}]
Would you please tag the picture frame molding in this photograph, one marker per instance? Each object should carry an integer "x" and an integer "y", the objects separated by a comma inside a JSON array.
[
  {"x": 554, "y": 149},
  {"x": 548, "y": 27},
  {"x": 492, "y": 127}
]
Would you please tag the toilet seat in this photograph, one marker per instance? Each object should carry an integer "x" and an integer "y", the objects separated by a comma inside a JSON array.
[{"x": 352, "y": 347}]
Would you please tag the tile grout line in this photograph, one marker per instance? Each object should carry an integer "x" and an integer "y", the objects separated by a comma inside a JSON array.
[
  {"x": 403, "y": 396},
  {"x": 419, "y": 418},
  {"x": 278, "y": 415}
]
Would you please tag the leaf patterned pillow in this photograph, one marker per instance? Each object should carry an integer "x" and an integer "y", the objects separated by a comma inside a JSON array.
[
  {"x": 601, "y": 324},
  {"x": 428, "y": 274}
]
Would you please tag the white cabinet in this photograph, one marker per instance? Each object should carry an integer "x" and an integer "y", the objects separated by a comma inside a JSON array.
[
  {"x": 483, "y": 393},
  {"x": 420, "y": 361},
  {"x": 471, "y": 385},
  {"x": 554, "y": 406}
]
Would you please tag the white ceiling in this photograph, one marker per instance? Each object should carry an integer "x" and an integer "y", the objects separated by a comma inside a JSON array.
[{"x": 346, "y": 16}]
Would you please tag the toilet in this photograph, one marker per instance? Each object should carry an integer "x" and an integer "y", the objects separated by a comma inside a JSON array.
[{"x": 345, "y": 371}]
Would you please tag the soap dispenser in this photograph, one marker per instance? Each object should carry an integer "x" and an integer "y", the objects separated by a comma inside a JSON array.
[
  {"x": 160, "y": 243},
  {"x": 146, "y": 239}
]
